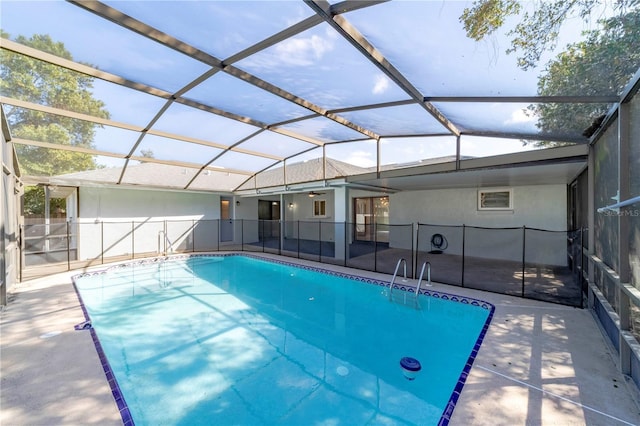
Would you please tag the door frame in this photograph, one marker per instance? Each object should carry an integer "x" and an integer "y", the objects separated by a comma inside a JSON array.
[{"x": 226, "y": 220}]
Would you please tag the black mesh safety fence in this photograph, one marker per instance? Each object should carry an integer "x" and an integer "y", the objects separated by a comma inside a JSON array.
[
  {"x": 380, "y": 247},
  {"x": 393, "y": 243},
  {"x": 290, "y": 243},
  {"x": 270, "y": 232},
  {"x": 179, "y": 236},
  {"x": 206, "y": 235},
  {"x": 553, "y": 266},
  {"x": 493, "y": 259},
  {"x": 333, "y": 249},
  {"x": 360, "y": 247},
  {"x": 532, "y": 263},
  {"x": 53, "y": 242},
  {"x": 117, "y": 240},
  {"x": 251, "y": 238},
  {"x": 89, "y": 241},
  {"x": 525, "y": 262},
  {"x": 261, "y": 236},
  {"x": 143, "y": 244},
  {"x": 309, "y": 240},
  {"x": 251, "y": 235},
  {"x": 442, "y": 247}
]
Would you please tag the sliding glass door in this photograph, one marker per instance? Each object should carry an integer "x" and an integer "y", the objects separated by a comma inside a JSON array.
[{"x": 371, "y": 219}]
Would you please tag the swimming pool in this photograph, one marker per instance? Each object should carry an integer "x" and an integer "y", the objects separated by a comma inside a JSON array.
[{"x": 235, "y": 339}]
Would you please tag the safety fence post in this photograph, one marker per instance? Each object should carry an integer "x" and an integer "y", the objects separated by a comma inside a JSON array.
[
  {"x": 463, "y": 241},
  {"x": 68, "y": 248},
  {"x": 524, "y": 239},
  {"x": 298, "y": 240}
]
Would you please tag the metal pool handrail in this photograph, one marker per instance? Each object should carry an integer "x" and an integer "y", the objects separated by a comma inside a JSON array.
[
  {"x": 426, "y": 265},
  {"x": 395, "y": 273}
]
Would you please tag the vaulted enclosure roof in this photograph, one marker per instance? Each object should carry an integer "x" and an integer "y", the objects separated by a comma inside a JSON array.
[{"x": 225, "y": 95}]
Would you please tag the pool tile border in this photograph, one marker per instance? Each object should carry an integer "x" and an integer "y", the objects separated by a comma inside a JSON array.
[
  {"x": 445, "y": 418},
  {"x": 123, "y": 408}
]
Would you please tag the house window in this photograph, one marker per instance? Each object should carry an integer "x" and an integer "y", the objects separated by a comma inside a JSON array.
[
  {"x": 319, "y": 208},
  {"x": 495, "y": 199}
]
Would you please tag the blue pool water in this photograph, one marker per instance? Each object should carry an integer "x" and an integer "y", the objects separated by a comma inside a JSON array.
[{"x": 239, "y": 340}]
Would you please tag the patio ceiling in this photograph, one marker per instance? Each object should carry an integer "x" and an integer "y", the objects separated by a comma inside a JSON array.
[{"x": 224, "y": 93}]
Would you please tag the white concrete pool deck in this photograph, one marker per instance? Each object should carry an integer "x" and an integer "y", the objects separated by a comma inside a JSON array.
[{"x": 539, "y": 364}]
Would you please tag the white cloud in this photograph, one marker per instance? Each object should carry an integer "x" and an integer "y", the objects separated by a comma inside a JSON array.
[
  {"x": 484, "y": 147},
  {"x": 381, "y": 84},
  {"x": 521, "y": 115},
  {"x": 306, "y": 50},
  {"x": 303, "y": 51},
  {"x": 361, "y": 159}
]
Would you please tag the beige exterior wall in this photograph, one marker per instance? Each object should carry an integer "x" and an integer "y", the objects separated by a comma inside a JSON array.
[{"x": 123, "y": 221}]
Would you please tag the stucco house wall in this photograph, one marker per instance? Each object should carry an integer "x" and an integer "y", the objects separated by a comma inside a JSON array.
[
  {"x": 535, "y": 206},
  {"x": 121, "y": 221},
  {"x": 299, "y": 208}
]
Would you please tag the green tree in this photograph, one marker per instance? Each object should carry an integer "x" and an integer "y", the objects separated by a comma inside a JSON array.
[
  {"x": 146, "y": 153},
  {"x": 35, "y": 81},
  {"x": 538, "y": 28},
  {"x": 601, "y": 64},
  {"x": 34, "y": 202}
]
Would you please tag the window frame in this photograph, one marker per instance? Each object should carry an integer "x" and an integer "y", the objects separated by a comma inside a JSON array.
[
  {"x": 481, "y": 192},
  {"x": 321, "y": 202}
]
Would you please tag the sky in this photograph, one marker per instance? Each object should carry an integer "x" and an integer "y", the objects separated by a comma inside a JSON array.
[{"x": 424, "y": 40}]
